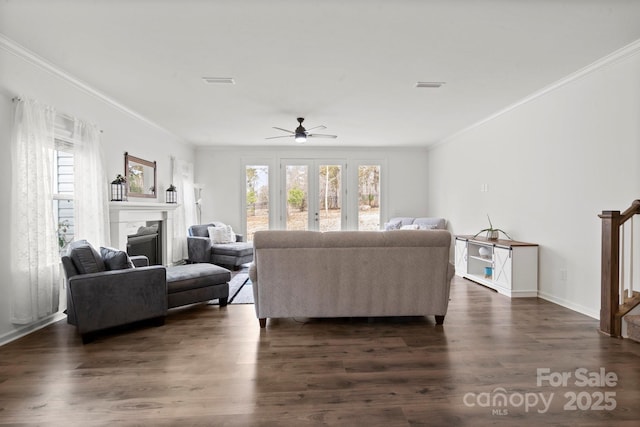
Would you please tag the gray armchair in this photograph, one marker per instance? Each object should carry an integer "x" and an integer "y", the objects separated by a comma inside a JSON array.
[
  {"x": 104, "y": 289},
  {"x": 202, "y": 249}
]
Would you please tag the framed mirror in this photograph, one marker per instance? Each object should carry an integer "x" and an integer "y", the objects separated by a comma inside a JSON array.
[{"x": 141, "y": 176}]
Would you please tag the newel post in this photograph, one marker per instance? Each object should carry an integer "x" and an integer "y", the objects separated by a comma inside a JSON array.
[{"x": 610, "y": 273}]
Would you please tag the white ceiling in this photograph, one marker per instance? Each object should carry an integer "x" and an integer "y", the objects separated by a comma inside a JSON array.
[{"x": 349, "y": 65}]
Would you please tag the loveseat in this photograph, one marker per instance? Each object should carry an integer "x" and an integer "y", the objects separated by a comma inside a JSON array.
[
  {"x": 351, "y": 273},
  {"x": 202, "y": 248}
]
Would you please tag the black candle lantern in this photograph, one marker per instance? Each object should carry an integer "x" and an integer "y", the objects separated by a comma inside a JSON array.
[
  {"x": 118, "y": 189},
  {"x": 172, "y": 194}
]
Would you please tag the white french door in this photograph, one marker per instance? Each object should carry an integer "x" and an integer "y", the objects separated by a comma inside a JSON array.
[{"x": 313, "y": 194}]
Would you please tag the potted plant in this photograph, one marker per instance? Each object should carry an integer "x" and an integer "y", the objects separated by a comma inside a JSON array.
[
  {"x": 63, "y": 240},
  {"x": 492, "y": 233}
]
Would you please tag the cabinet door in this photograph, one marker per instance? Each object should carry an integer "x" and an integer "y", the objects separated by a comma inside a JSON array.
[
  {"x": 502, "y": 267},
  {"x": 461, "y": 257}
]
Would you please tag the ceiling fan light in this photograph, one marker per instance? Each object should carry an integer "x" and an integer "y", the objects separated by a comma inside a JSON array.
[{"x": 301, "y": 137}]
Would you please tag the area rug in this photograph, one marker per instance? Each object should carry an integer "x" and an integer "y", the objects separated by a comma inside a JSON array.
[
  {"x": 244, "y": 295},
  {"x": 240, "y": 290}
]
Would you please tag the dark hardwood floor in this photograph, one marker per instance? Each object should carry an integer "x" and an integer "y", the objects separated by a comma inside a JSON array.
[{"x": 214, "y": 366}]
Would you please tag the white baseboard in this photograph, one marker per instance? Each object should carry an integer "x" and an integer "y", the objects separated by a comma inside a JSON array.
[
  {"x": 570, "y": 305},
  {"x": 32, "y": 327}
]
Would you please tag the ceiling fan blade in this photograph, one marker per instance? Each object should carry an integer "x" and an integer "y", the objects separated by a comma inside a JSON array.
[
  {"x": 283, "y": 136},
  {"x": 285, "y": 130},
  {"x": 320, "y": 135},
  {"x": 317, "y": 127}
]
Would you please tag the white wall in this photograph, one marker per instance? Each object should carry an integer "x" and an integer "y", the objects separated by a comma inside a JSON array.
[
  {"x": 551, "y": 165},
  {"x": 220, "y": 170},
  {"x": 121, "y": 132}
]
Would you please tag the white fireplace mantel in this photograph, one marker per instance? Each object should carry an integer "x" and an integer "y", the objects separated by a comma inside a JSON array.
[
  {"x": 126, "y": 217},
  {"x": 142, "y": 206}
]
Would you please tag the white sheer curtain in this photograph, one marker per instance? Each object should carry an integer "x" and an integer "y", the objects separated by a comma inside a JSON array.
[
  {"x": 35, "y": 260},
  {"x": 90, "y": 204},
  {"x": 185, "y": 213}
]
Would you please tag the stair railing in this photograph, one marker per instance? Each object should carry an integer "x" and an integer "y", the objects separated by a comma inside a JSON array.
[{"x": 615, "y": 301}]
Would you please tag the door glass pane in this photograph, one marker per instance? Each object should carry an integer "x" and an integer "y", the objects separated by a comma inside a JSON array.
[
  {"x": 257, "y": 199},
  {"x": 369, "y": 197},
  {"x": 330, "y": 198},
  {"x": 297, "y": 185}
]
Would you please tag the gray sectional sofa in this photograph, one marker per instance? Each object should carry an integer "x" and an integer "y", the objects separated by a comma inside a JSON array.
[{"x": 351, "y": 273}]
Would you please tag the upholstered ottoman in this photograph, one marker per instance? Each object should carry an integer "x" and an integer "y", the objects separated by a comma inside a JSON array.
[{"x": 191, "y": 283}]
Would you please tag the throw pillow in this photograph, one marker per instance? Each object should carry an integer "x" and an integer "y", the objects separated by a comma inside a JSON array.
[
  {"x": 409, "y": 227},
  {"x": 393, "y": 224},
  {"x": 437, "y": 223},
  {"x": 218, "y": 235},
  {"x": 231, "y": 236},
  {"x": 85, "y": 258},
  {"x": 115, "y": 259},
  {"x": 427, "y": 226}
]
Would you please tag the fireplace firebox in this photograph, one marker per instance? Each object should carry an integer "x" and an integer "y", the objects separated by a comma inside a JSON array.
[{"x": 147, "y": 241}]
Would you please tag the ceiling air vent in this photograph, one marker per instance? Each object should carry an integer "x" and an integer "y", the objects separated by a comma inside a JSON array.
[
  {"x": 431, "y": 85},
  {"x": 218, "y": 80}
]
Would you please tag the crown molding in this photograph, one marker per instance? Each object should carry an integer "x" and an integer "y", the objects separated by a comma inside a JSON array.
[
  {"x": 616, "y": 56},
  {"x": 22, "y": 52}
]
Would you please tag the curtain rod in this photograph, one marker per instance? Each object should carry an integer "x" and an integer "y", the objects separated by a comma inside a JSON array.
[{"x": 64, "y": 116}]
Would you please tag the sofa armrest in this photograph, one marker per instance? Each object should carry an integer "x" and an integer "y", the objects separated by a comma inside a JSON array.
[
  {"x": 139, "y": 260},
  {"x": 199, "y": 249},
  {"x": 451, "y": 271},
  {"x": 253, "y": 276},
  {"x": 112, "y": 298},
  {"x": 253, "y": 273}
]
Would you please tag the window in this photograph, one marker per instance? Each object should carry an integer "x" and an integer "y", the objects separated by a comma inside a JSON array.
[
  {"x": 63, "y": 183},
  {"x": 312, "y": 194}
]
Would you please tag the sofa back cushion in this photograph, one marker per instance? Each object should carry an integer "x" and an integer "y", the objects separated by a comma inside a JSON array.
[
  {"x": 85, "y": 258},
  {"x": 115, "y": 259},
  {"x": 199, "y": 230}
]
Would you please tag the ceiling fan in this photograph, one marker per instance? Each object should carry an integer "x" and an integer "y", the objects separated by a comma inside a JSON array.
[{"x": 301, "y": 134}]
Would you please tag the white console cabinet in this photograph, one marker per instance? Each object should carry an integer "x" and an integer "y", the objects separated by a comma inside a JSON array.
[{"x": 509, "y": 267}]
